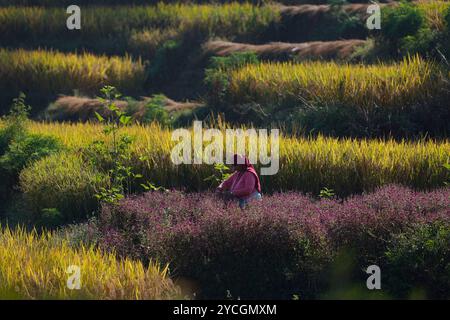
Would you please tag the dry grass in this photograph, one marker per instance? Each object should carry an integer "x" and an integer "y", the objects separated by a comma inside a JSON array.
[
  {"x": 77, "y": 108},
  {"x": 316, "y": 11},
  {"x": 341, "y": 49}
]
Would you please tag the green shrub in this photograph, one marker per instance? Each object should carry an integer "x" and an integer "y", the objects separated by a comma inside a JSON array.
[
  {"x": 217, "y": 75},
  {"x": 51, "y": 218},
  {"x": 447, "y": 19},
  {"x": 419, "y": 259},
  {"x": 14, "y": 123},
  {"x": 31, "y": 148},
  {"x": 400, "y": 26},
  {"x": 64, "y": 183},
  {"x": 401, "y": 21},
  {"x": 155, "y": 110},
  {"x": 169, "y": 58},
  {"x": 18, "y": 148}
]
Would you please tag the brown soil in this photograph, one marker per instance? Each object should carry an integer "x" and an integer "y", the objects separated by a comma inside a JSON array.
[
  {"x": 341, "y": 49},
  {"x": 73, "y": 108}
]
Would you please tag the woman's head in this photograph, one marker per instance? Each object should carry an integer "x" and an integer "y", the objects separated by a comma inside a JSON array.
[{"x": 240, "y": 163}]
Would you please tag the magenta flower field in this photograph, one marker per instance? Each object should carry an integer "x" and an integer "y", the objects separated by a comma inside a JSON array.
[{"x": 287, "y": 244}]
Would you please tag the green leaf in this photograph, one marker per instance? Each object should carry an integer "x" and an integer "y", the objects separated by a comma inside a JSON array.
[
  {"x": 99, "y": 117},
  {"x": 124, "y": 119}
]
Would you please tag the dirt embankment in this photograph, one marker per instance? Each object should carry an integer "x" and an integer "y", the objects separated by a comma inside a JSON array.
[
  {"x": 313, "y": 11},
  {"x": 73, "y": 108},
  {"x": 341, "y": 49}
]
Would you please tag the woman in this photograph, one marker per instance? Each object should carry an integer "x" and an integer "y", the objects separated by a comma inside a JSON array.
[{"x": 244, "y": 183}]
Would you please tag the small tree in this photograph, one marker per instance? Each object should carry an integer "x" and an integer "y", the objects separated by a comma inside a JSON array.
[{"x": 117, "y": 151}]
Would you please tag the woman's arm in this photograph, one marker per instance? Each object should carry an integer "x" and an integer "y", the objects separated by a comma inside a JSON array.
[
  {"x": 246, "y": 185},
  {"x": 226, "y": 185}
]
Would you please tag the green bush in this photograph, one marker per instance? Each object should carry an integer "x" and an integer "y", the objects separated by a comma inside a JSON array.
[
  {"x": 31, "y": 148},
  {"x": 218, "y": 73},
  {"x": 419, "y": 259},
  {"x": 155, "y": 110},
  {"x": 168, "y": 61},
  {"x": 61, "y": 182},
  {"x": 18, "y": 148},
  {"x": 15, "y": 123},
  {"x": 400, "y": 28},
  {"x": 447, "y": 19},
  {"x": 401, "y": 21}
]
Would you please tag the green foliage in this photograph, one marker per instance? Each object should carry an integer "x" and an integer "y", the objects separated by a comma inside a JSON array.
[
  {"x": 148, "y": 186},
  {"x": 113, "y": 154},
  {"x": 399, "y": 22},
  {"x": 117, "y": 151},
  {"x": 15, "y": 122},
  {"x": 155, "y": 110},
  {"x": 327, "y": 193},
  {"x": 24, "y": 151},
  {"x": 409, "y": 29},
  {"x": 221, "y": 173},
  {"x": 447, "y": 19},
  {"x": 447, "y": 167},
  {"x": 167, "y": 62},
  {"x": 217, "y": 75},
  {"x": 19, "y": 148},
  {"x": 51, "y": 218},
  {"x": 344, "y": 22},
  {"x": 419, "y": 259}
]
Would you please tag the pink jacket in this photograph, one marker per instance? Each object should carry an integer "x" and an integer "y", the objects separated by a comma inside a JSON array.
[{"x": 240, "y": 184}]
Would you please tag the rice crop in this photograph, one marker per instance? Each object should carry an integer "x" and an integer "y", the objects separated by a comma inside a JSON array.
[
  {"x": 365, "y": 86},
  {"x": 148, "y": 2},
  {"x": 99, "y": 23},
  {"x": 51, "y": 72},
  {"x": 434, "y": 11},
  {"x": 306, "y": 164},
  {"x": 34, "y": 266}
]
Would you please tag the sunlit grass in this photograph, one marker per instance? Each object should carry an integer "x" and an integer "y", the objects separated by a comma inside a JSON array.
[
  {"x": 330, "y": 83},
  {"x": 33, "y": 266},
  {"x": 51, "y": 72},
  {"x": 307, "y": 164}
]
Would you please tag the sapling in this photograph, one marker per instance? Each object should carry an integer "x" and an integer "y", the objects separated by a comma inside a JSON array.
[{"x": 120, "y": 173}]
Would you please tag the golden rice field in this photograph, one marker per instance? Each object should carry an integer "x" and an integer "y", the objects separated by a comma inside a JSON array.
[
  {"x": 52, "y": 72},
  {"x": 434, "y": 12},
  {"x": 306, "y": 164},
  {"x": 104, "y": 20},
  {"x": 33, "y": 266},
  {"x": 387, "y": 85}
]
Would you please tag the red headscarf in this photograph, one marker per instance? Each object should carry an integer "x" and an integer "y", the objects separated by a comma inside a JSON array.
[{"x": 243, "y": 160}]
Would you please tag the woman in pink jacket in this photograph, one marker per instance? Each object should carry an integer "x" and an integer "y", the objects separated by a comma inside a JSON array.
[{"x": 244, "y": 183}]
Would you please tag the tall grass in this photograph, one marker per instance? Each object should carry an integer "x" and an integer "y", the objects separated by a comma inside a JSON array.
[
  {"x": 387, "y": 85},
  {"x": 306, "y": 164},
  {"x": 148, "y": 2},
  {"x": 34, "y": 23},
  {"x": 48, "y": 73},
  {"x": 434, "y": 11},
  {"x": 33, "y": 266}
]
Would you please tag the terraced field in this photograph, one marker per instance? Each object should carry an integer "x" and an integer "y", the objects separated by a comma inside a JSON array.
[{"x": 87, "y": 141}]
